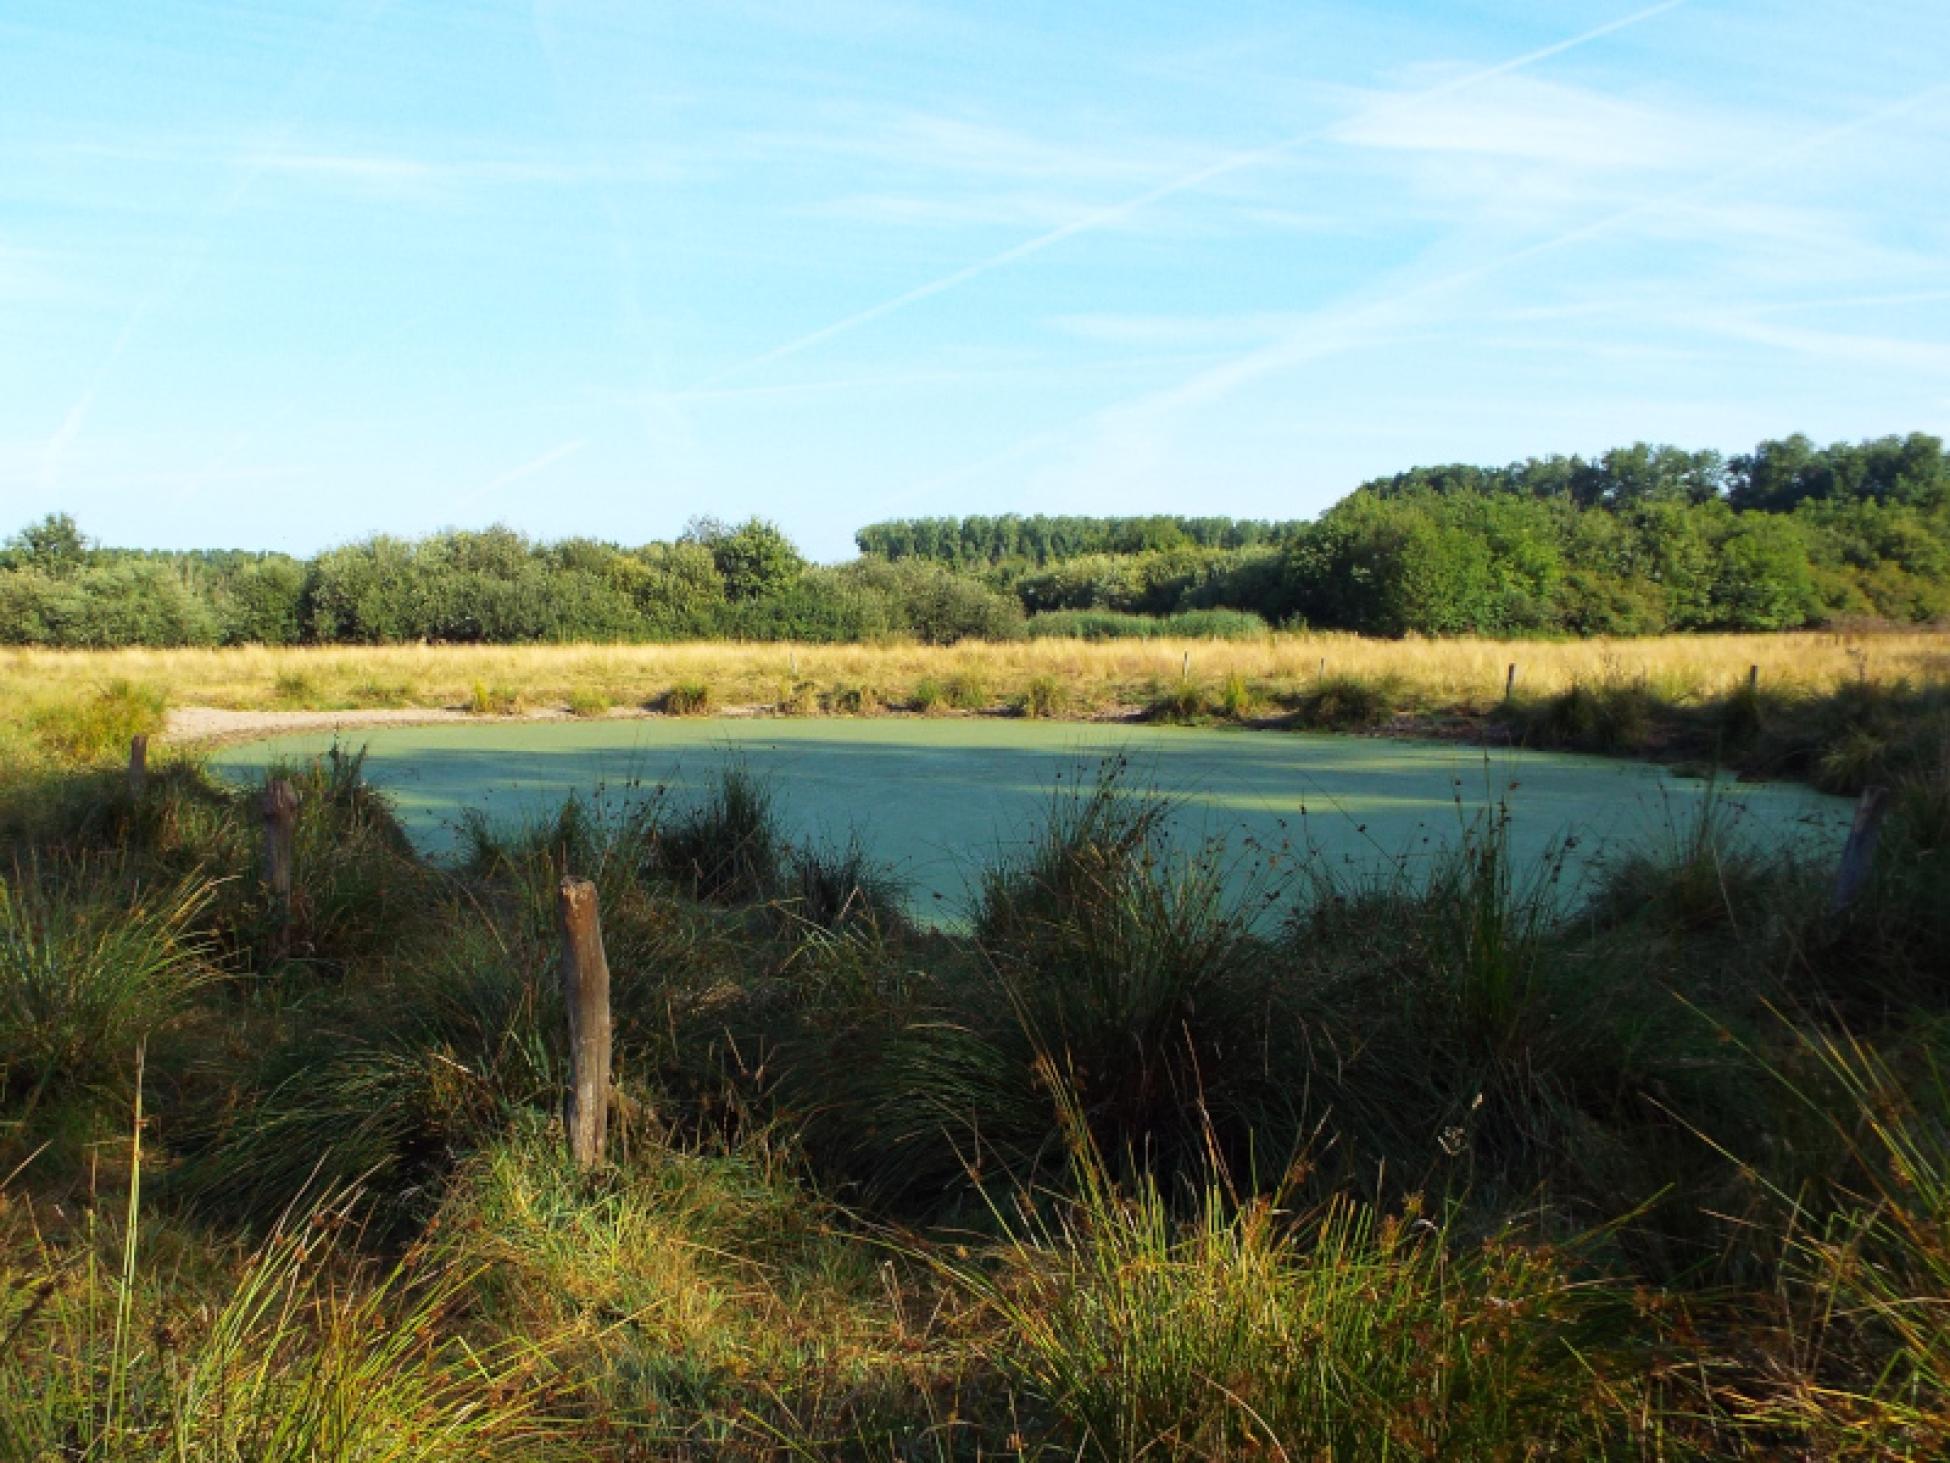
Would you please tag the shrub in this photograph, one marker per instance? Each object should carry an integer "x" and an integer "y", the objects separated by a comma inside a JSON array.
[
  {"x": 853, "y": 700},
  {"x": 967, "y": 692},
  {"x": 928, "y": 697},
  {"x": 1117, "y": 625},
  {"x": 1044, "y": 697},
  {"x": 1347, "y": 703},
  {"x": 485, "y": 700},
  {"x": 1185, "y": 702},
  {"x": 688, "y": 698},
  {"x": 588, "y": 701},
  {"x": 1236, "y": 698}
]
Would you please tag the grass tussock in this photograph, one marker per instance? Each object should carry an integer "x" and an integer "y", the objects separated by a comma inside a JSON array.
[{"x": 688, "y": 698}]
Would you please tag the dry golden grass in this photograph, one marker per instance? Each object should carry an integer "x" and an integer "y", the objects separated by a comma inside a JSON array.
[{"x": 1435, "y": 673}]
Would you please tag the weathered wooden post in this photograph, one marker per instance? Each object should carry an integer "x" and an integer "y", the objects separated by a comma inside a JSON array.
[
  {"x": 1510, "y": 681},
  {"x": 1859, "y": 853},
  {"x": 138, "y": 766},
  {"x": 1185, "y": 670},
  {"x": 1321, "y": 674},
  {"x": 585, "y": 994},
  {"x": 1753, "y": 679},
  {"x": 280, "y": 810}
]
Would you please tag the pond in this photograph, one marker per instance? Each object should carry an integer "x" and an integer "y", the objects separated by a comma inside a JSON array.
[{"x": 938, "y": 798}]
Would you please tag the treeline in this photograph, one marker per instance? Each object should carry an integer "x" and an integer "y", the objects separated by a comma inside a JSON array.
[
  {"x": 716, "y": 582},
  {"x": 1040, "y": 539},
  {"x": 1640, "y": 540}
]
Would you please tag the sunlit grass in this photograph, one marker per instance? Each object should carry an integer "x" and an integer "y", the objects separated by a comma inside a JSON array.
[{"x": 1468, "y": 673}]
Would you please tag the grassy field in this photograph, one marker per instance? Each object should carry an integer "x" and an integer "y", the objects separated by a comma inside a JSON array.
[{"x": 1086, "y": 676}]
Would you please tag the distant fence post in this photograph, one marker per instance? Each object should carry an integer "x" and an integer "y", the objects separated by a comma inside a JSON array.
[
  {"x": 138, "y": 766},
  {"x": 1753, "y": 679},
  {"x": 1321, "y": 674},
  {"x": 585, "y": 993},
  {"x": 1185, "y": 670},
  {"x": 280, "y": 809},
  {"x": 1859, "y": 853},
  {"x": 1510, "y": 681}
]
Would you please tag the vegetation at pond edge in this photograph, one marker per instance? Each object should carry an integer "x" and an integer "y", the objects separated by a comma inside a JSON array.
[
  {"x": 1639, "y": 541},
  {"x": 1424, "y": 1164}
]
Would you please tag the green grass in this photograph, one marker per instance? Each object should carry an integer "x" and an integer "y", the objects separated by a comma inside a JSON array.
[
  {"x": 1161, "y": 1157},
  {"x": 587, "y": 701},
  {"x": 99, "y": 726}
]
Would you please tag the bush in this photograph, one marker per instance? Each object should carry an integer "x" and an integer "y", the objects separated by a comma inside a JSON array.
[
  {"x": 1115, "y": 625},
  {"x": 587, "y": 701},
  {"x": 688, "y": 698},
  {"x": 1044, "y": 697},
  {"x": 1347, "y": 703}
]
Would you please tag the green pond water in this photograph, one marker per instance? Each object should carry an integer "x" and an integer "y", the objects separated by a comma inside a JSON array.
[{"x": 935, "y": 799}]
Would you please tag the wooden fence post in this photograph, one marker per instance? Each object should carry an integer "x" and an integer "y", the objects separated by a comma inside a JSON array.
[
  {"x": 585, "y": 993},
  {"x": 1859, "y": 853},
  {"x": 1510, "y": 681},
  {"x": 1185, "y": 670},
  {"x": 138, "y": 766},
  {"x": 280, "y": 809},
  {"x": 1753, "y": 679}
]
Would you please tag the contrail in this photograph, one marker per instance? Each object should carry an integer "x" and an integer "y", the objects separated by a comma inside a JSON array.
[
  {"x": 514, "y": 475},
  {"x": 1117, "y": 212},
  {"x": 1345, "y": 327}
]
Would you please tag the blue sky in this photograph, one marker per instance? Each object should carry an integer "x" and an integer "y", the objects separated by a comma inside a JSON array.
[{"x": 284, "y": 273}]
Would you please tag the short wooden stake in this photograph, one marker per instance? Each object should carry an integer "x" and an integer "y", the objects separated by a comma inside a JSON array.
[
  {"x": 1753, "y": 679},
  {"x": 1859, "y": 853},
  {"x": 1185, "y": 670},
  {"x": 1321, "y": 674},
  {"x": 280, "y": 809},
  {"x": 1510, "y": 681},
  {"x": 138, "y": 766},
  {"x": 585, "y": 994}
]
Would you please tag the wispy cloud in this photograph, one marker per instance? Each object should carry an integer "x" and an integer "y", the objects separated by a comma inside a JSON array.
[
  {"x": 561, "y": 452},
  {"x": 1235, "y": 162}
]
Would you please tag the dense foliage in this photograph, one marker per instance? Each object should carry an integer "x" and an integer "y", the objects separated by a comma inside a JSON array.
[
  {"x": 1640, "y": 540},
  {"x": 1637, "y": 541}
]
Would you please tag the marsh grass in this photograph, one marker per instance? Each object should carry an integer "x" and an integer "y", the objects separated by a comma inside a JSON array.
[
  {"x": 92, "y": 966},
  {"x": 1343, "y": 702},
  {"x": 498, "y": 699},
  {"x": 589, "y": 701},
  {"x": 298, "y": 1349},
  {"x": 1445, "y": 1160},
  {"x": 687, "y": 698},
  {"x": 99, "y": 724},
  {"x": 1225, "y": 1328},
  {"x": 726, "y": 846}
]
